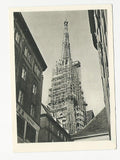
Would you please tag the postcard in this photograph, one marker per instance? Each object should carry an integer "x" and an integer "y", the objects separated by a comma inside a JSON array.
[{"x": 62, "y": 78}]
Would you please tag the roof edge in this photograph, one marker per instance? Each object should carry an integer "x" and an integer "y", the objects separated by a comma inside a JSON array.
[
  {"x": 20, "y": 20},
  {"x": 90, "y": 136}
]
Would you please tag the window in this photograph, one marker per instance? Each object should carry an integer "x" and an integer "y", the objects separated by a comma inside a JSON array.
[
  {"x": 25, "y": 52},
  {"x": 65, "y": 139},
  {"x": 58, "y": 133},
  {"x": 81, "y": 112},
  {"x": 28, "y": 55},
  {"x": 20, "y": 126},
  {"x": 77, "y": 125},
  {"x": 36, "y": 70},
  {"x": 66, "y": 61},
  {"x": 34, "y": 90},
  {"x": 17, "y": 37},
  {"x": 20, "y": 97},
  {"x": 61, "y": 136},
  {"x": 53, "y": 140},
  {"x": 30, "y": 133},
  {"x": 64, "y": 121},
  {"x": 52, "y": 127},
  {"x": 32, "y": 110},
  {"x": 23, "y": 74}
]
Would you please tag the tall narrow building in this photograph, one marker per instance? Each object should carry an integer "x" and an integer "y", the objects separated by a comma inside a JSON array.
[
  {"x": 99, "y": 30},
  {"x": 29, "y": 68},
  {"x": 66, "y": 100}
]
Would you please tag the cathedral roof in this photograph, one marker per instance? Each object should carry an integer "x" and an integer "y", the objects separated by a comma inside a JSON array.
[{"x": 97, "y": 126}]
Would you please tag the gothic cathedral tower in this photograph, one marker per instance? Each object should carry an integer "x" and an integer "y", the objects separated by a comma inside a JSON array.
[{"x": 66, "y": 100}]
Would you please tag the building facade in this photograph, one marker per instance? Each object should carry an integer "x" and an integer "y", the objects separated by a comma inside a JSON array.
[
  {"x": 29, "y": 66},
  {"x": 89, "y": 116},
  {"x": 51, "y": 130},
  {"x": 98, "y": 28},
  {"x": 66, "y": 100}
]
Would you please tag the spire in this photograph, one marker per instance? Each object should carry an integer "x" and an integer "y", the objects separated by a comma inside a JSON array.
[{"x": 66, "y": 45}]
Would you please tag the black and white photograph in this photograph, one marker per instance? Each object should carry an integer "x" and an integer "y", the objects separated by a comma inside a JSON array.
[{"x": 63, "y": 76}]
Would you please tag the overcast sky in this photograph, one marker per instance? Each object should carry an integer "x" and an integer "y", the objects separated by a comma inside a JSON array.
[{"x": 47, "y": 31}]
